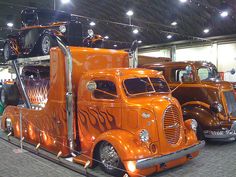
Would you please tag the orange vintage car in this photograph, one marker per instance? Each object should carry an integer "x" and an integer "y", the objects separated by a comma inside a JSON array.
[{"x": 124, "y": 118}]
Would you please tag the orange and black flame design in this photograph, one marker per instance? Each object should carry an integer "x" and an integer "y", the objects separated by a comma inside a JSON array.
[
  {"x": 14, "y": 47},
  {"x": 98, "y": 119},
  {"x": 38, "y": 93}
]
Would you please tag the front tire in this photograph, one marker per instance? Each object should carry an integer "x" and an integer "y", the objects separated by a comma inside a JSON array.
[
  {"x": 109, "y": 159},
  {"x": 46, "y": 44},
  {"x": 200, "y": 134}
]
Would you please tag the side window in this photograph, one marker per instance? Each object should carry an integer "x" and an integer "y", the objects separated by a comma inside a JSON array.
[
  {"x": 105, "y": 90},
  {"x": 203, "y": 73},
  {"x": 181, "y": 75}
]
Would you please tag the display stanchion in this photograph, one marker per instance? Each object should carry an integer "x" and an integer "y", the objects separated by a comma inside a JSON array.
[
  {"x": 21, "y": 140},
  {"x": 21, "y": 150}
]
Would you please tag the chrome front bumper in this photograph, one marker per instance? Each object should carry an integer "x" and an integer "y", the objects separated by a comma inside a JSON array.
[
  {"x": 222, "y": 135},
  {"x": 150, "y": 162}
]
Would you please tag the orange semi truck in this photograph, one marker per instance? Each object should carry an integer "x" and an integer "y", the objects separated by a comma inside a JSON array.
[{"x": 122, "y": 117}]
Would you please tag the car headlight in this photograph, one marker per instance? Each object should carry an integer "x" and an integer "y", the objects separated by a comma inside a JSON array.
[
  {"x": 146, "y": 115},
  {"x": 216, "y": 107},
  {"x": 62, "y": 28},
  {"x": 144, "y": 136},
  {"x": 8, "y": 122},
  {"x": 194, "y": 124}
]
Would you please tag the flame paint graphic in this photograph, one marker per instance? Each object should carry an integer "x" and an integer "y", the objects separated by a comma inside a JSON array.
[
  {"x": 38, "y": 91},
  {"x": 100, "y": 120}
]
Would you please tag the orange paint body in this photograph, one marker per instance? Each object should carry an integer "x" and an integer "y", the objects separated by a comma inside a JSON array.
[{"x": 117, "y": 121}]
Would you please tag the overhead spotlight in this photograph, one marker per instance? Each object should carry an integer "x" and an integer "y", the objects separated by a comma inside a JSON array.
[
  {"x": 174, "y": 23},
  {"x": 130, "y": 13},
  {"x": 207, "y": 30},
  {"x": 10, "y": 24},
  {"x": 224, "y": 13},
  {"x": 183, "y": 1},
  {"x": 169, "y": 36},
  {"x": 106, "y": 37},
  {"x": 115, "y": 45},
  {"x": 135, "y": 31},
  {"x": 140, "y": 42},
  {"x": 92, "y": 23},
  {"x": 65, "y": 1}
]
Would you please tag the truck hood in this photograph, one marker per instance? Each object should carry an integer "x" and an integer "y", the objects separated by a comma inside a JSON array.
[
  {"x": 165, "y": 122},
  {"x": 219, "y": 84}
]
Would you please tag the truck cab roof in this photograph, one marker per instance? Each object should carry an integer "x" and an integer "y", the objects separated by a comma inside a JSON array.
[
  {"x": 197, "y": 64},
  {"x": 125, "y": 72}
]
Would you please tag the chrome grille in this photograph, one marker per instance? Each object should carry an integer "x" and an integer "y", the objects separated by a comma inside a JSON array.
[
  {"x": 172, "y": 124},
  {"x": 231, "y": 103}
]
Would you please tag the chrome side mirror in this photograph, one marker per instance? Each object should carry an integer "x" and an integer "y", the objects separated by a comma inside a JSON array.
[
  {"x": 91, "y": 86},
  {"x": 232, "y": 71}
]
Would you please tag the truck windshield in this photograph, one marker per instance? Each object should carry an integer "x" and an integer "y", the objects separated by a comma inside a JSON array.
[
  {"x": 144, "y": 85},
  {"x": 208, "y": 73}
]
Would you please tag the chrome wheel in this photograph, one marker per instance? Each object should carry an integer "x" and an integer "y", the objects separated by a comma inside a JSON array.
[
  {"x": 109, "y": 156},
  {"x": 46, "y": 45}
]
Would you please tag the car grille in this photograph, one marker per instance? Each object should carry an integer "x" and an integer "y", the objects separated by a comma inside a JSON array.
[
  {"x": 231, "y": 103},
  {"x": 172, "y": 122}
]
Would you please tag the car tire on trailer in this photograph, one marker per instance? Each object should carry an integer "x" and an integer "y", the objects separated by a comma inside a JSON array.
[
  {"x": 6, "y": 52},
  {"x": 46, "y": 44},
  {"x": 10, "y": 95},
  {"x": 109, "y": 159}
]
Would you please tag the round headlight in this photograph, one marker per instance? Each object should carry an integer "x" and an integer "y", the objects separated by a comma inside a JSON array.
[
  {"x": 8, "y": 122},
  {"x": 216, "y": 107},
  {"x": 145, "y": 115},
  {"x": 194, "y": 125},
  {"x": 144, "y": 136},
  {"x": 62, "y": 28}
]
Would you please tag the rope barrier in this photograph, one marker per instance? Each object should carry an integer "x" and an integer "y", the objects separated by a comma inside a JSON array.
[{"x": 81, "y": 153}]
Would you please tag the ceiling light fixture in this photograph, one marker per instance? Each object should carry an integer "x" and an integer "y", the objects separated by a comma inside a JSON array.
[
  {"x": 65, "y": 1},
  {"x": 115, "y": 45},
  {"x": 10, "y": 24},
  {"x": 135, "y": 31},
  {"x": 169, "y": 36},
  {"x": 92, "y": 23},
  {"x": 207, "y": 30},
  {"x": 183, "y": 1},
  {"x": 140, "y": 41},
  {"x": 224, "y": 13},
  {"x": 106, "y": 37},
  {"x": 130, "y": 13},
  {"x": 174, "y": 23}
]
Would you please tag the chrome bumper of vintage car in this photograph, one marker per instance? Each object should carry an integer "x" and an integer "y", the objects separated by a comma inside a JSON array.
[
  {"x": 150, "y": 162},
  {"x": 222, "y": 135}
]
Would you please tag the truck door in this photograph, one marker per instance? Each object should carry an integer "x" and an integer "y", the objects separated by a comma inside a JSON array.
[{"x": 100, "y": 113}]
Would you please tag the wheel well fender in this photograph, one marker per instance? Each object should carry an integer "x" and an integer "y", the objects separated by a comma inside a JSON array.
[
  {"x": 125, "y": 143},
  {"x": 203, "y": 115}
]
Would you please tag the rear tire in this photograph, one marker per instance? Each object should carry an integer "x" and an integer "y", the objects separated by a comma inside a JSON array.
[
  {"x": 10, "y": 95},
  {"x": 109, "y": 160},
  {"x": 46, "y": 44},
  {"x": 8, "y": 52}
]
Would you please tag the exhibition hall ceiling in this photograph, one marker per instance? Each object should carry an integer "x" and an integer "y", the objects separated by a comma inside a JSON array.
[{"x": 152, "y": 22}]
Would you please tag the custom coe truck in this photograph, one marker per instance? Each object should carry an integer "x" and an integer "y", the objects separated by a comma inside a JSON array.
[
  {"x": 94, "y": 104},
  {"x": 203, "y": 96}
]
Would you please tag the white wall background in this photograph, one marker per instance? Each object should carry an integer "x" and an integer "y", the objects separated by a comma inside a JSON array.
[
  {"x": 5, "y": 75},
  {"x": 222, "y": 55},
  {"x": 157, "y": 53}
]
